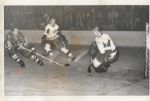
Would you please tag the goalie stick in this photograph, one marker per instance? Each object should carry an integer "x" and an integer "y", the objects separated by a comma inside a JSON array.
[
  {"x": 80, "y": 56},
  {"x": 52, "y": 61}
]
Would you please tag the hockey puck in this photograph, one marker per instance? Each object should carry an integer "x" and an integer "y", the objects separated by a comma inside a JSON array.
[{"x": 67, "y": 64}]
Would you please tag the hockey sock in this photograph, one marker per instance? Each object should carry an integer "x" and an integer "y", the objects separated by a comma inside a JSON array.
[
  {"x": 18, "y": 60},
  {"x": 68, "y": 53},
  {"x": 36, "y": 59},
  {"x": 21, "y": 63}
]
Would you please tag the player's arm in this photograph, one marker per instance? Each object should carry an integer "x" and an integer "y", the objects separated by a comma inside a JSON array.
[
  {"x": 8, "y": 42},
  {"x": 44, "y": 37},
  {"x": 113, "y": 49},
  {"x": 23, "y": 38},
  {"x": 25, "y": 43},
  {"x": 112, "y": 46},
  {"x": 59, "y": 31},
  {"x": 46, "y": 30},
  {"x": 100, "y": 47}
]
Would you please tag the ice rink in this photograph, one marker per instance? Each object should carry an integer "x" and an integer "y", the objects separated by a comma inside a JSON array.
[{"x": 124, "y": 77}]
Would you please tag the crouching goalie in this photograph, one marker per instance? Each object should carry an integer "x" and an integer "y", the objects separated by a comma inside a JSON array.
[
  {"x": 102, "y": 52},
  {"x": 53, "y": 37},
  {"x": 13, "y": 45}
]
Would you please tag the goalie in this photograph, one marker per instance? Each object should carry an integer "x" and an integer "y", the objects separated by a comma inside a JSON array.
[
  {"x": 13, "y": 43},
  {"x": 53, "y": 37},
  {"x": 102, "y": 52}
]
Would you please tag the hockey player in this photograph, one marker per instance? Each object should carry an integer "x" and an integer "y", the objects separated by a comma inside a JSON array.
[
  {"x": 13, "y": 43},
  {"x": 53, "y": 37},
  {"x": 102, "y": 52}
]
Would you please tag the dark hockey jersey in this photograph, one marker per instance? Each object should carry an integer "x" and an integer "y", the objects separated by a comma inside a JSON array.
[{"x": 15, "y": 40}]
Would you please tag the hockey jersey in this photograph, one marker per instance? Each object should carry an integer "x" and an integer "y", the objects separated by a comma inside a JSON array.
[
  {"x": 104, "y": 43},
  {"x": 51, "y": 32},
  {"x": 15, "y": 40}
]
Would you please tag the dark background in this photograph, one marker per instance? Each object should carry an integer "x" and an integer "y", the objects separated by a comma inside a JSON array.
[{"x": 126, "y": 18}]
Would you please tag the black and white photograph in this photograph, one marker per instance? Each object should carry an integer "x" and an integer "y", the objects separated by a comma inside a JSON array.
[{"x": 76, "y": 50}]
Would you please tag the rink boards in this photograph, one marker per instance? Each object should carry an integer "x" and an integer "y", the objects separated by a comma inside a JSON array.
[{"x": 121, "y": 38}]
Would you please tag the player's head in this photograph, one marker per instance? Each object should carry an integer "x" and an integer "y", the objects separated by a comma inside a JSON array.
[
  {"x": 14, "y": 30},
  {"x": 96, "y": 32},
  {"x": 52, "y": 22}
]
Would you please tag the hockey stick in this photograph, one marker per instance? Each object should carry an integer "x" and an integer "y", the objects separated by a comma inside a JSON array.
[
  {"x": 61, "y": 65},
  {"x": 80, "y": 56},
  {"x": 89, "y": 68}
]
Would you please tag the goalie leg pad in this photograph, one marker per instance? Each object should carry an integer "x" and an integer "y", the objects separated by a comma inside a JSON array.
[
  {"x": 99, "y": 66},
  {"x": 96, "y": 63}
]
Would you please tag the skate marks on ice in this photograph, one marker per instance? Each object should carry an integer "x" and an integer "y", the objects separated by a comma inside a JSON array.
[{"x": 51, "y": 80}]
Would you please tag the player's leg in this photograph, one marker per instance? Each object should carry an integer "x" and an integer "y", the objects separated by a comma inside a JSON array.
[
  {"x": 92, "y": 53},
  {"x": 31, "y": 56},
  {"x": 68, "y": 53},
  {"x": 60, "y": 45},
  {"x": 97, "y": 64},
  {"x": 48, "y": 50},
  {"x": 90, "y": 67},
  {"x": 97, "y": 61},
  {"x": 17, "y": 59},
  {"x": 12, "y": 54},
  {"x": 64, "y": 40},
  {"x": 46, "y": 44}
]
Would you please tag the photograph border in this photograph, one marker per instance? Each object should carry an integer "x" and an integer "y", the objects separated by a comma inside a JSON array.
[{"x": 60, "y": 2}]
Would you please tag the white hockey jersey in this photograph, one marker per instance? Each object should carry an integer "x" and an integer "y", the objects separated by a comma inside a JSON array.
[
  {"x": 104, "y": 43},
  {"x": 51, "y": 32}
]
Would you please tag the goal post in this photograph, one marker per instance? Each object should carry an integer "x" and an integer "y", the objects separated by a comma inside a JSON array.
[{"x": 147, "y": 51}]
